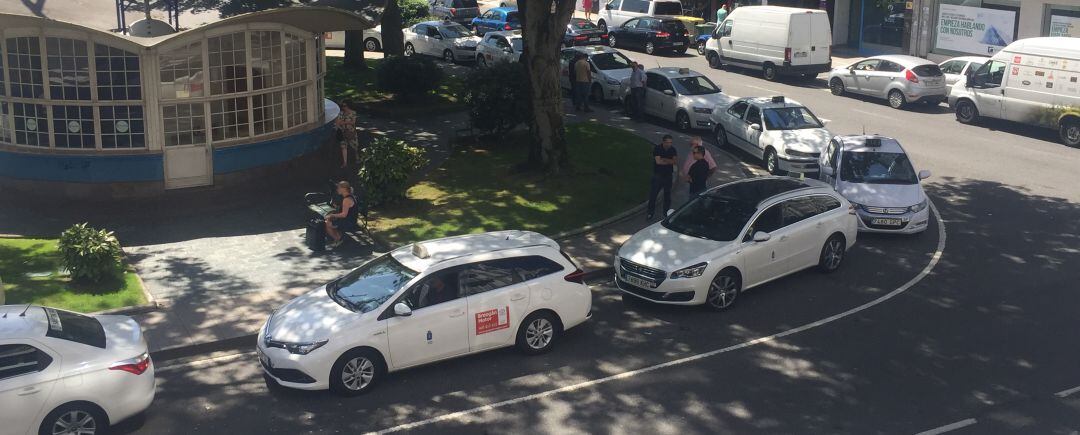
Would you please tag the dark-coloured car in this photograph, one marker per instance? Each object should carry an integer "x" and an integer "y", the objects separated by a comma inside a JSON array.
[
  {"x": 583, "y": 32},
  {"x": 651, "y": 34},
  {"x": 458, "y": 11}
]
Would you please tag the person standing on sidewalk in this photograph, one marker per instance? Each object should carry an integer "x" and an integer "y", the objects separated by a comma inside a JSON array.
[
  {"x": 664, "y": 160},
  {"x": 695, "y": 142},
  {"x": 346, "y": 127},
  {"x": 582, "y": 81},
  {"x": 698, "y": 172},
  {"x": 587, "y": 5},
  {"x": 637, "y": 90},
  {"x": 722, "y": 13}
]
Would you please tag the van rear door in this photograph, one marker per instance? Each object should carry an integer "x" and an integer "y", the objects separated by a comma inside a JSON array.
[
  {"x": 810, "y": 38},
  {"x": 820, "y": 39}
]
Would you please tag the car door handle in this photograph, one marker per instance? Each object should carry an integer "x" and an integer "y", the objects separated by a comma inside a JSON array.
[
  {"x": 29, "y": 391},
  {"x": 457, "y": 313},
  {"x": 819, "y": 224},
  {"x": 517, "y": 297},
  {"x": 782, "y": 238}
]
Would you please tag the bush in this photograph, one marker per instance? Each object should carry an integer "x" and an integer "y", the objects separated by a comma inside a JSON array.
[
  {"x": 90, "y": 254},
  {"x": 413, "y": 11},
  {"x": 385, "y": 167},
  {"x": 409, "y": 78},
  {"x": 498, "y": 97}
]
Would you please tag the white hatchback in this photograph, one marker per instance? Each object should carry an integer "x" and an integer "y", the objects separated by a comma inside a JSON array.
[
  {"x": 734, "y": 237},
  {"x": 423, "y": 303},
  {"x": 679, "y": 95},
  {"x": 64, "y": 372}
]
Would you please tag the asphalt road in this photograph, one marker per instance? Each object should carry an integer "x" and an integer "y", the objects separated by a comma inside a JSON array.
[{"x": 970, "y": 326}]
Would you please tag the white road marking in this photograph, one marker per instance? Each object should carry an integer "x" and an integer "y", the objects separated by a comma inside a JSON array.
[
  {"x": 1066, "y": 393},
  {"x": 624, "y": 375},
  {"x": 949, "y": 427},
  {"x": 774, "y": 91},
  {"x": 203, "y": 362},
  {"x": 870, "y": 114}
]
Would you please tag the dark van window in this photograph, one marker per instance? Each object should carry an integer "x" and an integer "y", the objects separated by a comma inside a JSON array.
[
  {"x": 465, "y": 4},
  {"x": 66, "y": 325},
  {"x": 927, "y": 71},
  {"x": 504, "y": 272},
  {"x": 20, "y": 359},
  {"x": 667, "y": 8}
]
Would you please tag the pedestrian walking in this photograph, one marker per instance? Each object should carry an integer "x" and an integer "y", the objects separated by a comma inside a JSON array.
[
  {"x": 587, "y": 5},
  {"x": 722, "y": 13},
  {"x": 346, "y": 131},
  {"x": 637, "y": 90},
  {"x": 664, "y": 160},
  {"x": 582, "y": 82},
  {"x": 698, "y": 171}
]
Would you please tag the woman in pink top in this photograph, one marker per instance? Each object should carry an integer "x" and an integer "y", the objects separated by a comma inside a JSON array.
[
  {"x": 696, "y": 142},
  {"x": 587, "y": 5}
]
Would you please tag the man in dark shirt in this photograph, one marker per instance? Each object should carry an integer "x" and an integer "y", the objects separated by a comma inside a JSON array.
[
  {"x": 699, "y": 171},
  {"x": 664, "y": 156}
]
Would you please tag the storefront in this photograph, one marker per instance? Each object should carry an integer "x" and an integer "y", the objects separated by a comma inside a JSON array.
[{"x": 869, "y": 26}]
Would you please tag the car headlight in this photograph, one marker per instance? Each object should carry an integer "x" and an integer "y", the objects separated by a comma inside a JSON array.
[
  {"x": 918, "y": 207},
  {"x": 611, "y": 81},
  {"x": 704, "y": 110},
  {"x": 690, "y": 272},
  {"x": 304, "y": 348}
]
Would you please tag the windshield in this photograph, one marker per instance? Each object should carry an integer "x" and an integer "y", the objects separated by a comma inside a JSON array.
[
  {"x": 367, "y": 287},
  {"x": 518, "y": 45},
  {"x": 454, "y": 31},
  {"x": 790, "y": 118},
  {"x": 610, "y": 61},
  {"x": 877, "y": 168},
  {"x": 667, "y": 8},
  {"x": 711, "y": 216},
  {"x": 699, "y": 85},
  {"x": 583, "y": 25}
]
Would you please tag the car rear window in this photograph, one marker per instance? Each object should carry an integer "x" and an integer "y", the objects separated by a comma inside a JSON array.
[
  {"x": 675, "y": 27},
  {"x": 583, "y": 25},
  {"x": 927, "y": 71},
  {"x": 512, "y": 17},
  {"x": 69, "y": 326},
  {"x": 667, "y": 8},
  {"x": 465, "y": 4}
]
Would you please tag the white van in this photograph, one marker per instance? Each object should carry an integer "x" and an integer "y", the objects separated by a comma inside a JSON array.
[
  {"x": 777, "y": 40},
  {"x": 617, "y": 12},
  {"x": 1032, "y": 81}
]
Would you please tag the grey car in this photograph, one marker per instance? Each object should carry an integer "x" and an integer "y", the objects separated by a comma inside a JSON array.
[
  {"x": 898, "y": 79},
  {"x": 458, "y": 11}
]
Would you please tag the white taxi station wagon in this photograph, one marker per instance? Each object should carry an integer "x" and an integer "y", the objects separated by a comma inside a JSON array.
[{"x": 423, "y": 303}]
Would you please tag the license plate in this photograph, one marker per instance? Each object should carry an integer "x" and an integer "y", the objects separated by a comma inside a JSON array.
[
  {"x": 800, "y": 54},
  {"x": 678, "y": 43},
  {"x": 594, "y": 39},
  {"x": 638, "y": 282},
  {"x": 891, "y": 222},
  {"x": 265, "y": 360}
]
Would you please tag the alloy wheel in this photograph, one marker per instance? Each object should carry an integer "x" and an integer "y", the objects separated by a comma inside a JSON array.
[
  {"x": 75, "y": 422},
  {"x": 896, "y": 99},
  {"x": 611, "y": 41},
  {"x": 722, "y": 291},
  {"x": 701, "y": 49},
  {"x": 371, "y": 45},
  {"x": 650, "y": 48},
  {"x": 836, "y": 86},
  {"x": 358, "y": 373},
  {"x": 682, "y": 120},
  {"x": 769, "y": 72},
  {"x": 1070, "y": 133},
  {"x": 834, "y": 253},
  {"x": 448, "y": 56},
  {"x": 721, "y": 137},
  {"x": 409, "y": 50},
  {"x": 539, "y": 333},
  {"x": 772, "y": 163}
]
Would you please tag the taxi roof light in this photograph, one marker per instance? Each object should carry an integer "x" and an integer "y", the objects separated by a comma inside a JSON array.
[
  {"x": 684, "y": 71},
  {"x": 873, "y": 142},
  {"x": 420, "y": 251},
  {"x": 778, "y": 99}
]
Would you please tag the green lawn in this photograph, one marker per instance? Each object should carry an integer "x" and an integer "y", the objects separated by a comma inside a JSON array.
[
  {"x": 31, "y": 272},
  {"x": 477, "y": 189},
  {"x": 359, "y": 86}
]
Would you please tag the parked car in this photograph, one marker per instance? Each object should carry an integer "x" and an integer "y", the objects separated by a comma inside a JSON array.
[
  {"x": 505, "y": 3},
  {"x": 785, "y": 134},
  {"x": 876, "y": 175},
  {"x": 499, "y": 47},
  {"x": 703, "y": 39},
  {"x": 610, "y": 69},
  {"x": 682, "y": 96},
  {"x": 956, "y": 69},
  {"x": 497, "y": 20},
  {"x": 651, "y": 34},
  {"x": 583, "y": 32},
  {"x": 735, "y": 237},
  {"x": 458, "y": 11},
  {"x": 423, "y": 303},
  {"x": 63, "y": 372},
  {"x": 774, "y": 39},
  {"x": 450, "y": 41},
  {"x": 617, "y": 12},
  {"x": 372, "y": 39},
  {"x": 1031, "y": 81},
  {"x": 898, "y": 79}
]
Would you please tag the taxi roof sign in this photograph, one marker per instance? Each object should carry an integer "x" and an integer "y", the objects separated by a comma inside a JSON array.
[
  {"x": 684, "y": 71},
  {"x": 873, "y": 142},
  {"x": 420, "y": 251},
  {"x": 778, "y": 99}
]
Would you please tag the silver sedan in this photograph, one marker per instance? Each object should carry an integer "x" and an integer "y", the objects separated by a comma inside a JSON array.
[{"x": 898, "y": 79}]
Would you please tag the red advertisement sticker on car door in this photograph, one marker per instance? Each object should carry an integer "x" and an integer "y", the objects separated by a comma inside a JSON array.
[{"x": 492, "y": 320}]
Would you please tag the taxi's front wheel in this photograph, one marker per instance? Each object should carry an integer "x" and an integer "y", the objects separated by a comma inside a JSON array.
[
  {"x": 356, "y": 372},
  {"x": 538, "y": 332}
]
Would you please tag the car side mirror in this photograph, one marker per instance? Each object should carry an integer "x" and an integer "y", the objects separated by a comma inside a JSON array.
[
  {"x": 670, "y": 212},
  {"x": 828, "y": 170},
  {"x": 761, "y": 236},
  {"x": 851, "y": 69},
  {"x": 607, "y": 6},
  {"x": 402, "y": 310},
  {"x": 669, "y": 92},
  {"x": 437, "y": 36},
  {"x": 756, "y": 127},
  {"x": 924, "y": 174}
]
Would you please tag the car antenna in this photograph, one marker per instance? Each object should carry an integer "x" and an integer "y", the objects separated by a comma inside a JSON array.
[{"x": 23, "y": 313}]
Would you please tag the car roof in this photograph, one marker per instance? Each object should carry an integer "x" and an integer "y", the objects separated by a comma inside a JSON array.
[
  {"x": 504, "y": 9},
  {"x": 438, "y": 23},
  {"x": 512, "y": 34},
  {"x": 674, "y": 72},
  {"x": 969, "y": 59},
  {"x": 905, "y": 60},
  {"x": 421, "y": 256},
  {"x": 857, "y": 143},
  {"x": 32, "y": 325},
  {"x": 593, "y": 49},
  {"x": 761, "y": 189},
  {"x": 767, "y": 102}
]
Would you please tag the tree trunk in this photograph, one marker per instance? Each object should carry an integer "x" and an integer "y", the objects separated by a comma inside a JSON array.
[
  {"x": 354, "y": 49},
  {"x": 543, "y": 27},
  {"x": 393, "y": 40}
]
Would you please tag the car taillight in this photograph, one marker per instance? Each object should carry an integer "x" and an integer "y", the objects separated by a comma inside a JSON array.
[
  {"x": 662, "y": 34},
  {"x": 580, "y": 38},
  {"x": 136, "y": 366},
  {"x": 453, "y": 11},
  {"x": 507, "y": 27},
  {"x": 787, "y": 54},
  {"x": 577, "y": 277},
  {"x": 604, "y": 35},
  {"x": 911, "y": 77}
]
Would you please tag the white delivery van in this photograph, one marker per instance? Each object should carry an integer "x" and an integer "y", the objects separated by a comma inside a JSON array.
[
  {"x": 616, "y": 12},
  {"x": 1032, "y": 81},
  {"x": 777, "y": 40}
]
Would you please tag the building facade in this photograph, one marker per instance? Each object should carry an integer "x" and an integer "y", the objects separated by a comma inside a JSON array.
[{"x": 79, "y": 106}]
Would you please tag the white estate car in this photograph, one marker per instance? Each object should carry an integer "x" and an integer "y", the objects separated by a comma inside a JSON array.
[
  {"x": 423, "y": 303},
  {"x": 68, "y": 373},
  {"x": 499, "y": 47},
  {"x": 681, "y": 95},
  {"x": 785, "y": 134},
  {"x": 610, "y": 69},
  {"x": 734, "y": 237},
  {"x": 876, "y": 175},
  {"x": 448, "y": 40}
]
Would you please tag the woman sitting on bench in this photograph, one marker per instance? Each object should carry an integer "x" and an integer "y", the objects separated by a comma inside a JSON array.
[{"x": 337, "y": 224}]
